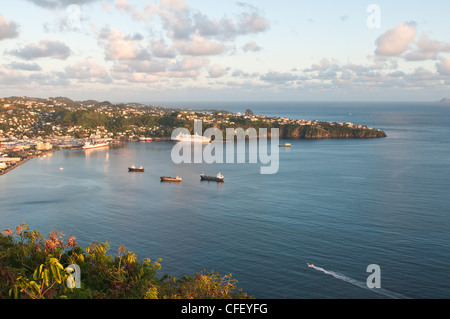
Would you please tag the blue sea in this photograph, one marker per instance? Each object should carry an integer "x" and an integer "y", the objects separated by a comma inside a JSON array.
[{"x": 340, "y": 204}]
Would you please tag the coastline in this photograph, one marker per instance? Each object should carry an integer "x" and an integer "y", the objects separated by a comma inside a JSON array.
[
  {"x": 26, "y": 159},
  {"x": 168, "y": 139},
  {"x": 3, "y": 172}
]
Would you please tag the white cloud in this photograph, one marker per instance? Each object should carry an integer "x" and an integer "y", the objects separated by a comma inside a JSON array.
[
  {"x": 142, "y": 66},
  {"x": 444, "y": 66},
  {"x": 59, "y": 4},
  {"x": 395, "y": 42},
  {"x": 252, "y": 22},
  {"x": 10, "y": 77},
  {"x": 427, "y": 49},
  {"x": 323, "y": 65},
  {"x": 189, "y": 64},
  {"x": 251, "y": 46},
  {"x": 25, "y": 66},
  {"x": 278, "y": 77},
  {"x": 44, "y": 49},
  {"x": 161, "y": 50},
  {"x": 137, "y": 77},
  {"x": 181, "y": 22},
  {"x": 217, "y": 71},
  {"x": 147, "y": 71},
  {"x": 8, "y": 29},
  {"x": 420, "y": 75},
  {"x": 137, "y": 14},
  {"x": 119, "y": 46},
  {"x": 53, "y": 79},
  {"x": 175, "y": 44},
  {"x": 200, "y": 46},
  {"x": 88, "y": 71}
]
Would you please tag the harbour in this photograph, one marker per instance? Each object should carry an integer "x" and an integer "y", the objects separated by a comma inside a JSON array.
[
  {"x": 390, "y": 194},
  {"x": 234, "y": 151}
]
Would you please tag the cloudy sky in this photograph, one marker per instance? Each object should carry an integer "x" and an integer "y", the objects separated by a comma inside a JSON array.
[{"x": 205, "y": 50}]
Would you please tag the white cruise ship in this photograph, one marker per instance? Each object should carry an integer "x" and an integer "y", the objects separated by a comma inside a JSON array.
[
  {"x": 191, "y": 138},
  {"x": 90, "y": 146}
]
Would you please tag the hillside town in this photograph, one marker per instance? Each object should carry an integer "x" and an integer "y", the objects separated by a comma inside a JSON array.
[{"x": 32, "y": 127}]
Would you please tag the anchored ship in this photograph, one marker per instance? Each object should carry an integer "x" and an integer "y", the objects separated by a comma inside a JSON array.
[
  {"x": 171, "y": 179},
  {"x": 135, "y": 169},
  {"x": 89, "y": 145},
  {"x": 219, "y": 178},
  {"x": 183, "y": 137}
]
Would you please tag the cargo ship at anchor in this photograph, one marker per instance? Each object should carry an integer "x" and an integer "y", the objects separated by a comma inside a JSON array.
[
  {"x": 219, "y": 178},
  {"x": 171, "y": 179}
]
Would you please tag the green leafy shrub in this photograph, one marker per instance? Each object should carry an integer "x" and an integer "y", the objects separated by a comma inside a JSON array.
[{"x": 34, "y": 267}]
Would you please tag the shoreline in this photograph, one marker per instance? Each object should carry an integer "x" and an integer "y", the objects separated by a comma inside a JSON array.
[
  {"x": 26, "y": 159},
  {"x": 168, "y": 139},
  {"x": 3, "y": 172}
]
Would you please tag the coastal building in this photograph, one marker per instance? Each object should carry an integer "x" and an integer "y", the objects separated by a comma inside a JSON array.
[
  {"x": 10, "y": 159},
  {"x": 42, "y": 146}
]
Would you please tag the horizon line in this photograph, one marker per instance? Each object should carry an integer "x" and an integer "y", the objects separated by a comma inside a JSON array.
[{"x": 231, "y": 101}]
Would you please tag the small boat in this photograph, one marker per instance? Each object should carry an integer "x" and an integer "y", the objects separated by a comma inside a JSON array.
[
  {"x": 286, "y": 145},
  {"x": 135, "y": 169},
  {"x": 219, "y": 178},
  {"x": 310, "y": 265},
  {"x": 171, "y": 179},
  {"x": 145, "y": 139}
]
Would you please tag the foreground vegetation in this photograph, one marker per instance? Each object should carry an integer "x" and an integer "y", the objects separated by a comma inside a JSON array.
[{"x": 34, "y": 267}]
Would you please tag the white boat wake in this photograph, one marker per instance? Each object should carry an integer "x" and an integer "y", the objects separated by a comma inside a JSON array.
[{"x": 360, "y": 284}]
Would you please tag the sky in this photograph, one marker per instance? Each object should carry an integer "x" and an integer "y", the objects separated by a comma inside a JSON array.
[{"x": 204, "y": 50}]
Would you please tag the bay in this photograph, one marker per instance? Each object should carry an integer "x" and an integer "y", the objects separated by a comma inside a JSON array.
[{"x": 339, "y": 204}]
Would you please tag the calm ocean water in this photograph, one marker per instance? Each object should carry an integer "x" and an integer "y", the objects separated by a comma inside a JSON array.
[{"x": 339, "y": 204}]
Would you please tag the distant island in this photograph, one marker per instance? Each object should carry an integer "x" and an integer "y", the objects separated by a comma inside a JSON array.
[
  {"x": 445, "y": 100},
  {"x": 32, "y": 126}
]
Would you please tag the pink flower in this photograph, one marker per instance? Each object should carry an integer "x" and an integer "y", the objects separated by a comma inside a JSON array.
[
  {"x": 56, "y": 238},
  {"x": 20, "y": 229},
  {"x": 49, "y": 245},
  {"x": 71, "y": 241}
]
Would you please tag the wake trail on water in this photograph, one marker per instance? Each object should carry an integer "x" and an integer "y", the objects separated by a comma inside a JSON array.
[{"x": 360, "y": 284}]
